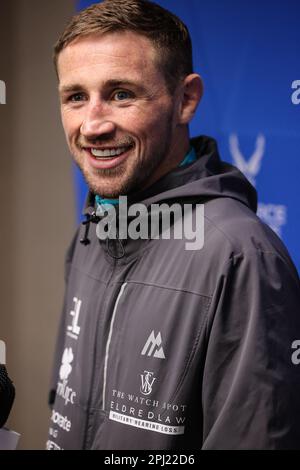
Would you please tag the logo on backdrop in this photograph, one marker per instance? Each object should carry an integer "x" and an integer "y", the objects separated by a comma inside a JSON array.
[
  {"x": 274, "y": 215},
  {"x": 250, "y": 166}
]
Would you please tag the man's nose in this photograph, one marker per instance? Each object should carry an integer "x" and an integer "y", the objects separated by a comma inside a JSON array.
[{"x": 97, "y": 122}]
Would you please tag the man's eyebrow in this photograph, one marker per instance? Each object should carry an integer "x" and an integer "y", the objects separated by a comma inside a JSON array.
[
  {"x": 115, "y": 83},
  {"x": 111, "y": 83},
  {"x": 69, "y": 88}
]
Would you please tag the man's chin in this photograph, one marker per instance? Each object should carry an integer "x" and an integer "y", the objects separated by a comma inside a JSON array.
[
  {"x": 107, "y": 188},
  {"x": 112, "y": 183},
  {"x": 106, "y": 193}
]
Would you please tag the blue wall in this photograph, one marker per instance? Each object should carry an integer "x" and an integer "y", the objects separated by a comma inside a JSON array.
[{"x": 248, "y": 54}]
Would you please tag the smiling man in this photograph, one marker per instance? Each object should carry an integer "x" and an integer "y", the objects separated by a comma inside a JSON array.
[
  {"x": 124, "y": 126},
  {"x": 162, "y": 347}
]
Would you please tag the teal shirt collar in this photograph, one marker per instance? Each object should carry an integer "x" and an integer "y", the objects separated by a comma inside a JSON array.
[{"x": 190, "y": 157}]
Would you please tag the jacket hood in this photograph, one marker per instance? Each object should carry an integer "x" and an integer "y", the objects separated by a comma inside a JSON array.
[{"x": 207, "y": 178}]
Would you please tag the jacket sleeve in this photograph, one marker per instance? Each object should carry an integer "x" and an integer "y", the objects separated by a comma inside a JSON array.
[
  {"x": 62, "y": 326},
  {"x": 251, "y": 384}
]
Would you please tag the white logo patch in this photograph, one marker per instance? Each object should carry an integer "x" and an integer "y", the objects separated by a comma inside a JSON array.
[
  {"x": 73, "y": 330},
  {"x": 147, "y": 382},
  {"x": 66, "y": 368},
  {"x": 153, "y": 346}
]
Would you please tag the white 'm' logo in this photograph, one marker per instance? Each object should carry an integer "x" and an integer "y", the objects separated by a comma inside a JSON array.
[
  {"x": 154, "y": 346},
  {"x": 66, "y": 368},
  {"x": 251, "y": 167},
  {"x": 147, "y": 382}
]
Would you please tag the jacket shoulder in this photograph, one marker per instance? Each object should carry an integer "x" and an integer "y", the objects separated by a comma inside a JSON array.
[{"x": 240, "y": 229}]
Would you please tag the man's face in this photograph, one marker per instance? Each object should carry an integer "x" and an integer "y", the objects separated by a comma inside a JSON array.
[{"x": 118, "y": 116}]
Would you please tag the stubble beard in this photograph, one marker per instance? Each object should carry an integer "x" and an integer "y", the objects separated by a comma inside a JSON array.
[
  {"x": 137, "y": 179},
  {"x": 116, "y": 184}
]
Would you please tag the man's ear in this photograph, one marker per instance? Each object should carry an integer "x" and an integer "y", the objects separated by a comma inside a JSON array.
[{"x": 191, "y": 94}]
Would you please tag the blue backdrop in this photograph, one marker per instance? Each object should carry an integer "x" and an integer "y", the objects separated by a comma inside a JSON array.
[{"x": 248, "y": 56}]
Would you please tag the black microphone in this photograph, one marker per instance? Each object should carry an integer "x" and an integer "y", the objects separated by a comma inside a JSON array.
[{"x": 7, "y": 395}]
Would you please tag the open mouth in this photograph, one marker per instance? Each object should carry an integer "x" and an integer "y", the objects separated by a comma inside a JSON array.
[
  {"x": 108, "y": 157},
  {"x": 108, "y": 153}
]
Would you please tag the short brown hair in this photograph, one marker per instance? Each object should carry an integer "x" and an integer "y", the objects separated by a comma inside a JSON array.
[{"x": 167, "y": 32}]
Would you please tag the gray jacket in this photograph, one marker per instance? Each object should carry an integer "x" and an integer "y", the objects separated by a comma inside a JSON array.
[{"x": 161, "y": 347}]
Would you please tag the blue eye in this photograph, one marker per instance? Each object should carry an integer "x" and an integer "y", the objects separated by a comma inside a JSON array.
[
  {"x": 76, "y": 97},
  {"x": 122, "y": 95}
]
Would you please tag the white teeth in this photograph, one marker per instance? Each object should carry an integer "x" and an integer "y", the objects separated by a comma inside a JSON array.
[{"x": 107, "y": 153}]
